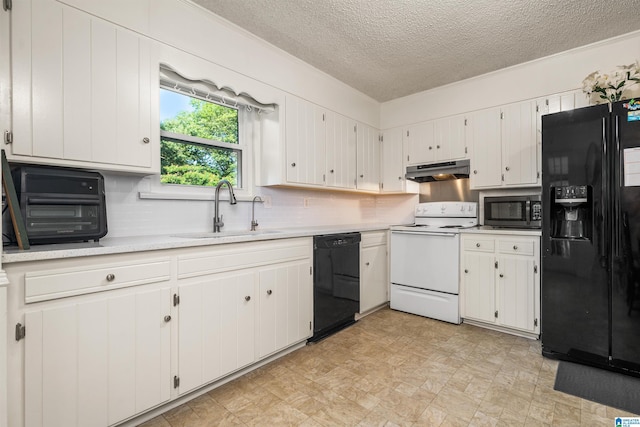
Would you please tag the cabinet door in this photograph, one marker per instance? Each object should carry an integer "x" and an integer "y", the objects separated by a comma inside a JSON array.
[
  {"x": 305, "y": 141},
  {"x": 285, "y": 298},
  {"x": 519, "y": 148},
  {"x": 97, "y": 362},
  {"x": 374, "y": 283},
  {"x": 81, "y": 89},
  {"x": 341, "y": 151},
  {"x": 485, "y": 160},
  {"x": 368, "y": 153},
  {"x": 391, "y": 162},
  {"x": 422, "y": 143},
  {"x": 516, "y": 292},
  {"x": 478, "y": 275},
  {"x": 450, "y": 138},
  {"x": 216, "y": 327}
]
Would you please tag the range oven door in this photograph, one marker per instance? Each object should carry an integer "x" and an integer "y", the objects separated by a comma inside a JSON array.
[{"x": 425, "y": 260}]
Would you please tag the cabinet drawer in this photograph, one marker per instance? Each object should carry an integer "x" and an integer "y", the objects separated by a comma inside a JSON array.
[
  {"x": 46, "y": 285},
  {"x": 479, "y": 244},
  {"x": 516, "y": 247},
  {"x": 373, "y": 238}
]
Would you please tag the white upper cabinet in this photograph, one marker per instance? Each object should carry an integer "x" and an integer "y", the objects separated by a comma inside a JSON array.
[
  {"x": 368, "y": 153},
  {"x": 129, "y": 14},
  {"x": 340, "y": 151},
  {"x": 437, "y": 140},
  {"x": 82, "y": 90},
  {"x": 305, "y": 142},
  {"x": 392, "y": 167},
  {"x": 505, "y": 150}
]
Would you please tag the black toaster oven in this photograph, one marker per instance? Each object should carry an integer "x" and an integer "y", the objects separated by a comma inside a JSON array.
[{"x": 61, "y": 205}]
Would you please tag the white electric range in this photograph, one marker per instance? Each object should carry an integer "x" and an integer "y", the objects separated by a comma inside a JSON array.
[{"x": 425, "y": 260}]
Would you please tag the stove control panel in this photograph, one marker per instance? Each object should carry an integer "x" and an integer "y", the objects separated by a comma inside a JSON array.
[{"x": 447, "y": 209}]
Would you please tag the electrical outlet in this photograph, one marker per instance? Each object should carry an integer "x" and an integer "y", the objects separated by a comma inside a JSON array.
[{"x": 266, "y": 202}]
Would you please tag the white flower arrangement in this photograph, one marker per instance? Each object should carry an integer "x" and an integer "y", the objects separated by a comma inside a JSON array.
[{"x": 610, "y": 87}]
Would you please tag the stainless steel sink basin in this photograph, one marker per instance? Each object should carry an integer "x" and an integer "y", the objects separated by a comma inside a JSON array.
[{"x": 211, "y": 235}]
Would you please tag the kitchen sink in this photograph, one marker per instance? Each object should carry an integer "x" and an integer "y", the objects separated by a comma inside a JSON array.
[{"x": 212, "y": 235}]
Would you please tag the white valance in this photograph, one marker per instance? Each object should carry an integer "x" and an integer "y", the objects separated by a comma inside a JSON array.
[{"x": 209, "y": 91}]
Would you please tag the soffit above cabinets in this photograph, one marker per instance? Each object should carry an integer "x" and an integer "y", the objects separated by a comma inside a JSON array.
[{"x": 389, "y": 49}]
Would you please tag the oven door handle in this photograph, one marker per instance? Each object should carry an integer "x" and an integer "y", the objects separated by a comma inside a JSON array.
[
  {"x": 61, "y": 201},
  {"x": 425, "y": 233}
]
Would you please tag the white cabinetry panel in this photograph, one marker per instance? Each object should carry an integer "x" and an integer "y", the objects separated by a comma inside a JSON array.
[
  {"x": 368, "y": 153},
  {"x": 305, "y": 141},
  {"x": 392, "y": 167},
  {"x": 341, "y": 151},
  {"x": 519, "y": 148}
]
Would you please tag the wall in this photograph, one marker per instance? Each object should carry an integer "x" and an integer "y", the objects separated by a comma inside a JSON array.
[
  {"x": 554, "y": 74},
  {"x": 128, "y": 215}
]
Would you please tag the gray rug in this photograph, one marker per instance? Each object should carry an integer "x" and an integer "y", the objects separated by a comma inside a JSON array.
[{"x": 599, "y": 385}]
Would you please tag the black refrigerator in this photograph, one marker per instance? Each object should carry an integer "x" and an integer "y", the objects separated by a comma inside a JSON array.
[{"x": 590, "y": 290}]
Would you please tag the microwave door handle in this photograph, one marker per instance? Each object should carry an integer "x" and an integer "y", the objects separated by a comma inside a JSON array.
[
  {"x": 527, "y": 211},
  {"x": 58, "y": 201}
]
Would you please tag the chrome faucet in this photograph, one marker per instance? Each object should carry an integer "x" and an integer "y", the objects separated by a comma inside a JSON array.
[
  {"x": 217, "y": 220},
  {"x": 254, "y": 223}
]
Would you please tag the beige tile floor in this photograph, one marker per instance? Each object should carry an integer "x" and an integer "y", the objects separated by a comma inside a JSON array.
[{"x": 396, "y": 369}]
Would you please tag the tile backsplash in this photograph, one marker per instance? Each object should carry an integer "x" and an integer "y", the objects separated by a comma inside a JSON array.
[{"x": 129, "y": 215}]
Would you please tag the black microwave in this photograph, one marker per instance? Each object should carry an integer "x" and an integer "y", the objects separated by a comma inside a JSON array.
[
  {"x": 513, "y": 211},
  {"x": 61, "y": 205}
]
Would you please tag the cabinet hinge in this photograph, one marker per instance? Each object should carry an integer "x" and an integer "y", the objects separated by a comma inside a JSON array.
[
  {"x": 21, "y": 331},
  {"x": 535, "y": 269},
  {"x": 355, "y": 128},
  {"x": 465, "y": 150},
  {"x": 6, "y": 5},
  {"x": 465, "y": 122},
  {"x": 407, "y": 134},
  {"x": 324, "y": 178},
  {"x": 381, "y": 138},
  {"x": 537, "y": 109},
  {"x": 309, "y": 325},
  {"x": 495, "y": 314},
  {"x": 310, "y": 271},
  {"x": 503, "y": 177},
  {"x": 496, "y": 264},
  {"x": 8, "y": 137},
  {"x": 382, "y": 185},
  {"x": 407, "y": 158},
  {"x": 546, "y": 102},
  {"x": 537, "y": 174},
  {"x": 176, "y": 299},
  {"x": 501, "y": 115},
  {"x": 535, "y": 322},
  {"x": 323, "y": 117},
  {"x": 176, "y": 381}
]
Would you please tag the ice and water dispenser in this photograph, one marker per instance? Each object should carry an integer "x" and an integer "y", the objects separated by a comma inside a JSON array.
[{"x": 571, "y": 212}]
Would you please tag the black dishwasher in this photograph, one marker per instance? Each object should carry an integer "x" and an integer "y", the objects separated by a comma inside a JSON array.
[{"x": 336, "y": 282}]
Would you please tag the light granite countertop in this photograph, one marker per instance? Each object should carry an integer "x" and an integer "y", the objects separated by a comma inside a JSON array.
[{"x": 117, "y": 245}]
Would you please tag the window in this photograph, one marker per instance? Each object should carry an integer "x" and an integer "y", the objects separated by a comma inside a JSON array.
[
  {"x": 206, "y": 134},
  {"x": 199, "y": 141}
]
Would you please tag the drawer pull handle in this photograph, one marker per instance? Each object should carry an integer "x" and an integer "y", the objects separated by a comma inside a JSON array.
[
  {"x": 477, "y": 245},
  {"x": 167, "y": 318},
  {"x": 247, "y": 298},
  {"x": 515, "y": 248},
  {"x": 111, "y": 277},
  {"x": 269, "y": 292}
]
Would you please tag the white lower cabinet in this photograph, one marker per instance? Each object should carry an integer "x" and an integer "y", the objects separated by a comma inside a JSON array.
[
  {"x": 101, "y": 348},
  {"x": 501, "y": 281},
  {"x": 374, "y": 277},
  {"x": 97, "y": 361}
]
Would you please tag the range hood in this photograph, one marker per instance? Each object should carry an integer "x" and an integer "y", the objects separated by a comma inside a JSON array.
[{"x": 438, "y": 171}]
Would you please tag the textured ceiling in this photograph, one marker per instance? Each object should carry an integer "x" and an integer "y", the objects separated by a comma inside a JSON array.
[{"x": 392, "y": 48}]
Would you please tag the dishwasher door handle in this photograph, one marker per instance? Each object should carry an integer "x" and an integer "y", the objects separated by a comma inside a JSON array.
[{"x": 425, "y": 233}]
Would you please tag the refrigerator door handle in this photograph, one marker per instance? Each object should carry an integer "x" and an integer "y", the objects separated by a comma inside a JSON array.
[
  {"x": 618, "y": 183},
  {"x": 603, "y": 223}
]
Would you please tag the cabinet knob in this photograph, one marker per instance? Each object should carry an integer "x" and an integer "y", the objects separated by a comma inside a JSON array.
[
  {"x": 293, "y": 165},
  {"x": 477, "y": 245},
  {"x": 361, "y": 176},
  {"x": 331, "y": 171},
  {"x": 430, "y": 148},
  {"x": 466, "y": 271},
  {"x": 145, "y": 140},
  {"x": 475, "y": 172},
  {"x": 438, "y": 147},
  {"x": 501, "y": 275},
  {"x": 247, "y": 298},
  {"x": 366, "y": 263},
  {"x": 515, "y": 248},
  {"x": 269, "y": 292},
  {"x": 507, "y": 168},
  {"x": 111, "y": 277},
  {"x": 400, "y": 178},
  {"x": 167, "y": 318}
]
